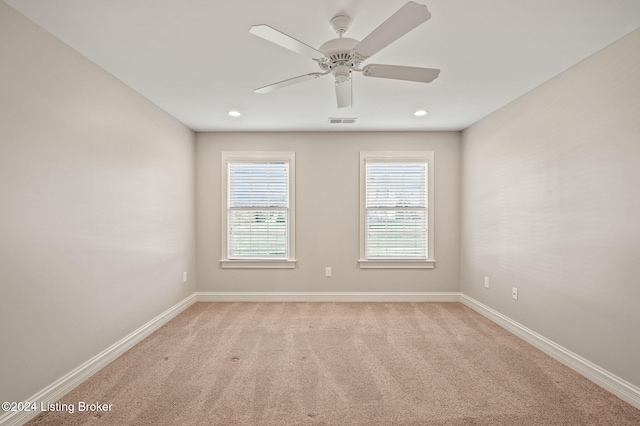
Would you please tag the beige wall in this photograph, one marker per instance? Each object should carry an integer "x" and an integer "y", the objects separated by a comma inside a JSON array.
[
  {"x": 97, "y": 209},
  {"x": 327, "y": 205},
  {"x": 551, "y": 205}
]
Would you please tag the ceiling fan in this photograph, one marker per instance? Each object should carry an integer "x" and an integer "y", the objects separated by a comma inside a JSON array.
[{"x": 341, "y": 56}]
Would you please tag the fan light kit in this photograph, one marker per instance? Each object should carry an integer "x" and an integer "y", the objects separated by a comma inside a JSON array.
[{"x": 342, "y": 56}]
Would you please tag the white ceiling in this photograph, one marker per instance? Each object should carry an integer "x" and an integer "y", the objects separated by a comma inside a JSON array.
[{"x": 196, "y": 59}]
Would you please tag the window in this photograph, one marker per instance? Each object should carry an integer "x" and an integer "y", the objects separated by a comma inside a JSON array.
[
  {"x": 396, "y": 210},
  {"x": 258, "y": 219}
]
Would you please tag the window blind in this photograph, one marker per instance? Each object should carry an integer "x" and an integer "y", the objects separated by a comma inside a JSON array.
[
  {"x": 396, "y": 210},
  {"x": 258, "y": 210}
]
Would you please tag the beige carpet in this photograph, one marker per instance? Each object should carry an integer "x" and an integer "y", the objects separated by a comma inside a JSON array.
[{"x": 338, "y": 364}]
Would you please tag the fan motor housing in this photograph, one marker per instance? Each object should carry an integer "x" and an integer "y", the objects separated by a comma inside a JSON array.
[{"x": 338, "y": 51}]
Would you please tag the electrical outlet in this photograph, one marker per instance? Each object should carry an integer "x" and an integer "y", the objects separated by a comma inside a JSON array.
[
  {"x": 486, "y": 282},
  {"x": 327, "y": 271},
  {"x": 184, "y": 277},
  {"x": 514, "y": 293}
]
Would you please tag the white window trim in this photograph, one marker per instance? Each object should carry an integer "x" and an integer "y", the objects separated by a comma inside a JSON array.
[
  {"x": 239, "y": 156},
  {"x": 382, "y": 156}
]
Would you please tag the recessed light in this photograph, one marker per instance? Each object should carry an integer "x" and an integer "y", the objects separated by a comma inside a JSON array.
[
  {"x": 234, "y": 113},
  {"x": 420, "y": 113}
]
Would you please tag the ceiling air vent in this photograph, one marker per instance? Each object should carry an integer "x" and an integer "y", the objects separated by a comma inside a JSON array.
[{"x": 342, "y": 120}]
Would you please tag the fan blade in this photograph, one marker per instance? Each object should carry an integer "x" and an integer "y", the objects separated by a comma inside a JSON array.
[
  {"x": 281, "y": 39},
  {"x": 288, "y": 82},
  {"x": 344, "y": 94},
  {"x": 422, "y": 75},
  {"x": 404, "y": 20}
]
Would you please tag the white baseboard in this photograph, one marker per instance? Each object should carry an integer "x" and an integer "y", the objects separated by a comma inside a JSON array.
[
  {"x": 327, "y": 297},
  {"x": 65, "y": 384},
  {"x": 614, "y": 384}
]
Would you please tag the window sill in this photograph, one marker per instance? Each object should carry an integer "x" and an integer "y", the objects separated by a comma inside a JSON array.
[
  {"x": 257, "y": 264},
  {"x": 397, "y": 264}
]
